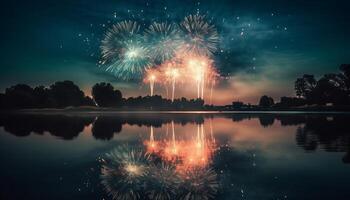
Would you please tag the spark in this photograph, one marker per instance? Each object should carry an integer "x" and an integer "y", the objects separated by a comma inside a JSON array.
[{"x": 174, "y": 74}]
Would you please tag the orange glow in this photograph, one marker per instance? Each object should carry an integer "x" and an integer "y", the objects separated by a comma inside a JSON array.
[
  {"x": 151, "y": 77},
  {"x": 185, "y": 69},
  {"x": 185, "y": 154}
]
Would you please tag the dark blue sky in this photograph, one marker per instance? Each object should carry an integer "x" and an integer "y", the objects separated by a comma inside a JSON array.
[{"x": 264, "y": 45}]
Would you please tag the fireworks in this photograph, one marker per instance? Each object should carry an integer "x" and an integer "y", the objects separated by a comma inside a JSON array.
[
  {"x": 201, "y": 71},
  {"x": 165, "y": 54},
  {"x": 164, "y": 41},
  {"x": 201, "y": 37},
  {"x": 123, "y": 51},
  {"x": 171, "y": 73}
]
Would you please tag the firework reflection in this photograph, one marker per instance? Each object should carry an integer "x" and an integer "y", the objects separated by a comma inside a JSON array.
[
  {"x": 199, "y": 183},
  {"x": 185, "y": 154},
  {"x": 124, "y": 173},
  {"x": 174, "y": 167},
  {"x": 165, "y": 182}
]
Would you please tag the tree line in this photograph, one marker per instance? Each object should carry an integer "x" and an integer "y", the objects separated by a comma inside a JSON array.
[
  {"x": 64, "y": 94},
  {"x": 333, "y": 89}
]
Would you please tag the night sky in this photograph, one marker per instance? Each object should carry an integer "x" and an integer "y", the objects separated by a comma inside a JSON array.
[{"x": 264, "y": 45}]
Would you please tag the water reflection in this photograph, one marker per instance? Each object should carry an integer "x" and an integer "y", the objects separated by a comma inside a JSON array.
[
  {"x": 130, "y": 173},
  {"x": 329, "y": 132},
  {"x": 176, "y": 156},
  {"x": 64, "y": 127},
  {"x": 194, "y": 150},
  {"x": 125, "y": 172},
  {"x": 169, "y": 167}
]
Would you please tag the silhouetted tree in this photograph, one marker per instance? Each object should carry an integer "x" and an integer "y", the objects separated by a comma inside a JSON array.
[
  {"x": 20, "y": 96},
  {"x": 305, "y": 85},
  {"x": 266, "y": 101},
  {"x": 345, "y": 70},
  {"x": 105, "y": 127},
  {"x": 66, "y": 93},
  {"x": 266, "y": 120},
  {"x": 105, "y": 95},
  {"x": 42, "y": 96},
  {"x": 88, "y": 101},
  {"x": 65, "y": 127},
  {"x": 291, "y": 101},
  {"x": 331, "y": 88},
  {"x": 345, "y": 73},
  {"x": 237, "y": 104},
  {"x": 2, "y": 101}
]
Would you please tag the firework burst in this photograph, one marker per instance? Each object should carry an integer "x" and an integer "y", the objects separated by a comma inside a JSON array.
[
  {"x": 201, "y": 37},
  {"x": 124, "y": 173},
  {"x": 200, "y": 70},
  {"x": 199, "y": 183},
  {"x": 164, "y": 40},
  {"x": 166, "y": 182},
  {"x": 165, "y": 54},
  {"x": 124, "y": 52}
]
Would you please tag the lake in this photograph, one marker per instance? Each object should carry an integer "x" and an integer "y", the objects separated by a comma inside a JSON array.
[{"x": 175, "y": 156}]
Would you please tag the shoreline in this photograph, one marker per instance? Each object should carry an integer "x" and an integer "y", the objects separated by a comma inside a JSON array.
[{"x": 113, "y": 111}]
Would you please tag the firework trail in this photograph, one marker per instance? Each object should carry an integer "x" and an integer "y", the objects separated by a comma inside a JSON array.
[
  {"x": 173, "y": 137},
  {"x": 211, "y": 131},
  {"x": 124, "y": 173},
  {"x": 167, "y": 129},
  {"x": 152, "y": 76},
  {"x": 174, "y": 75},
  {"x": 170, "y": 72},
  {"x": 151, "y": 82},
  {"x": 152, "y": 135},
  {"x": 213, "y": 75},
  {"x": 198, "y": 68},
  {"x": 164, "y": 40},
  {"x": 201, "y": 37},
  {"x": 211, "y": 91},
  {"x": 124, "y": 52}
]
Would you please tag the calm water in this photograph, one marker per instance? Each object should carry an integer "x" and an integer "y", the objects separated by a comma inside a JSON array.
[{"x": 178, "y": 156}]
